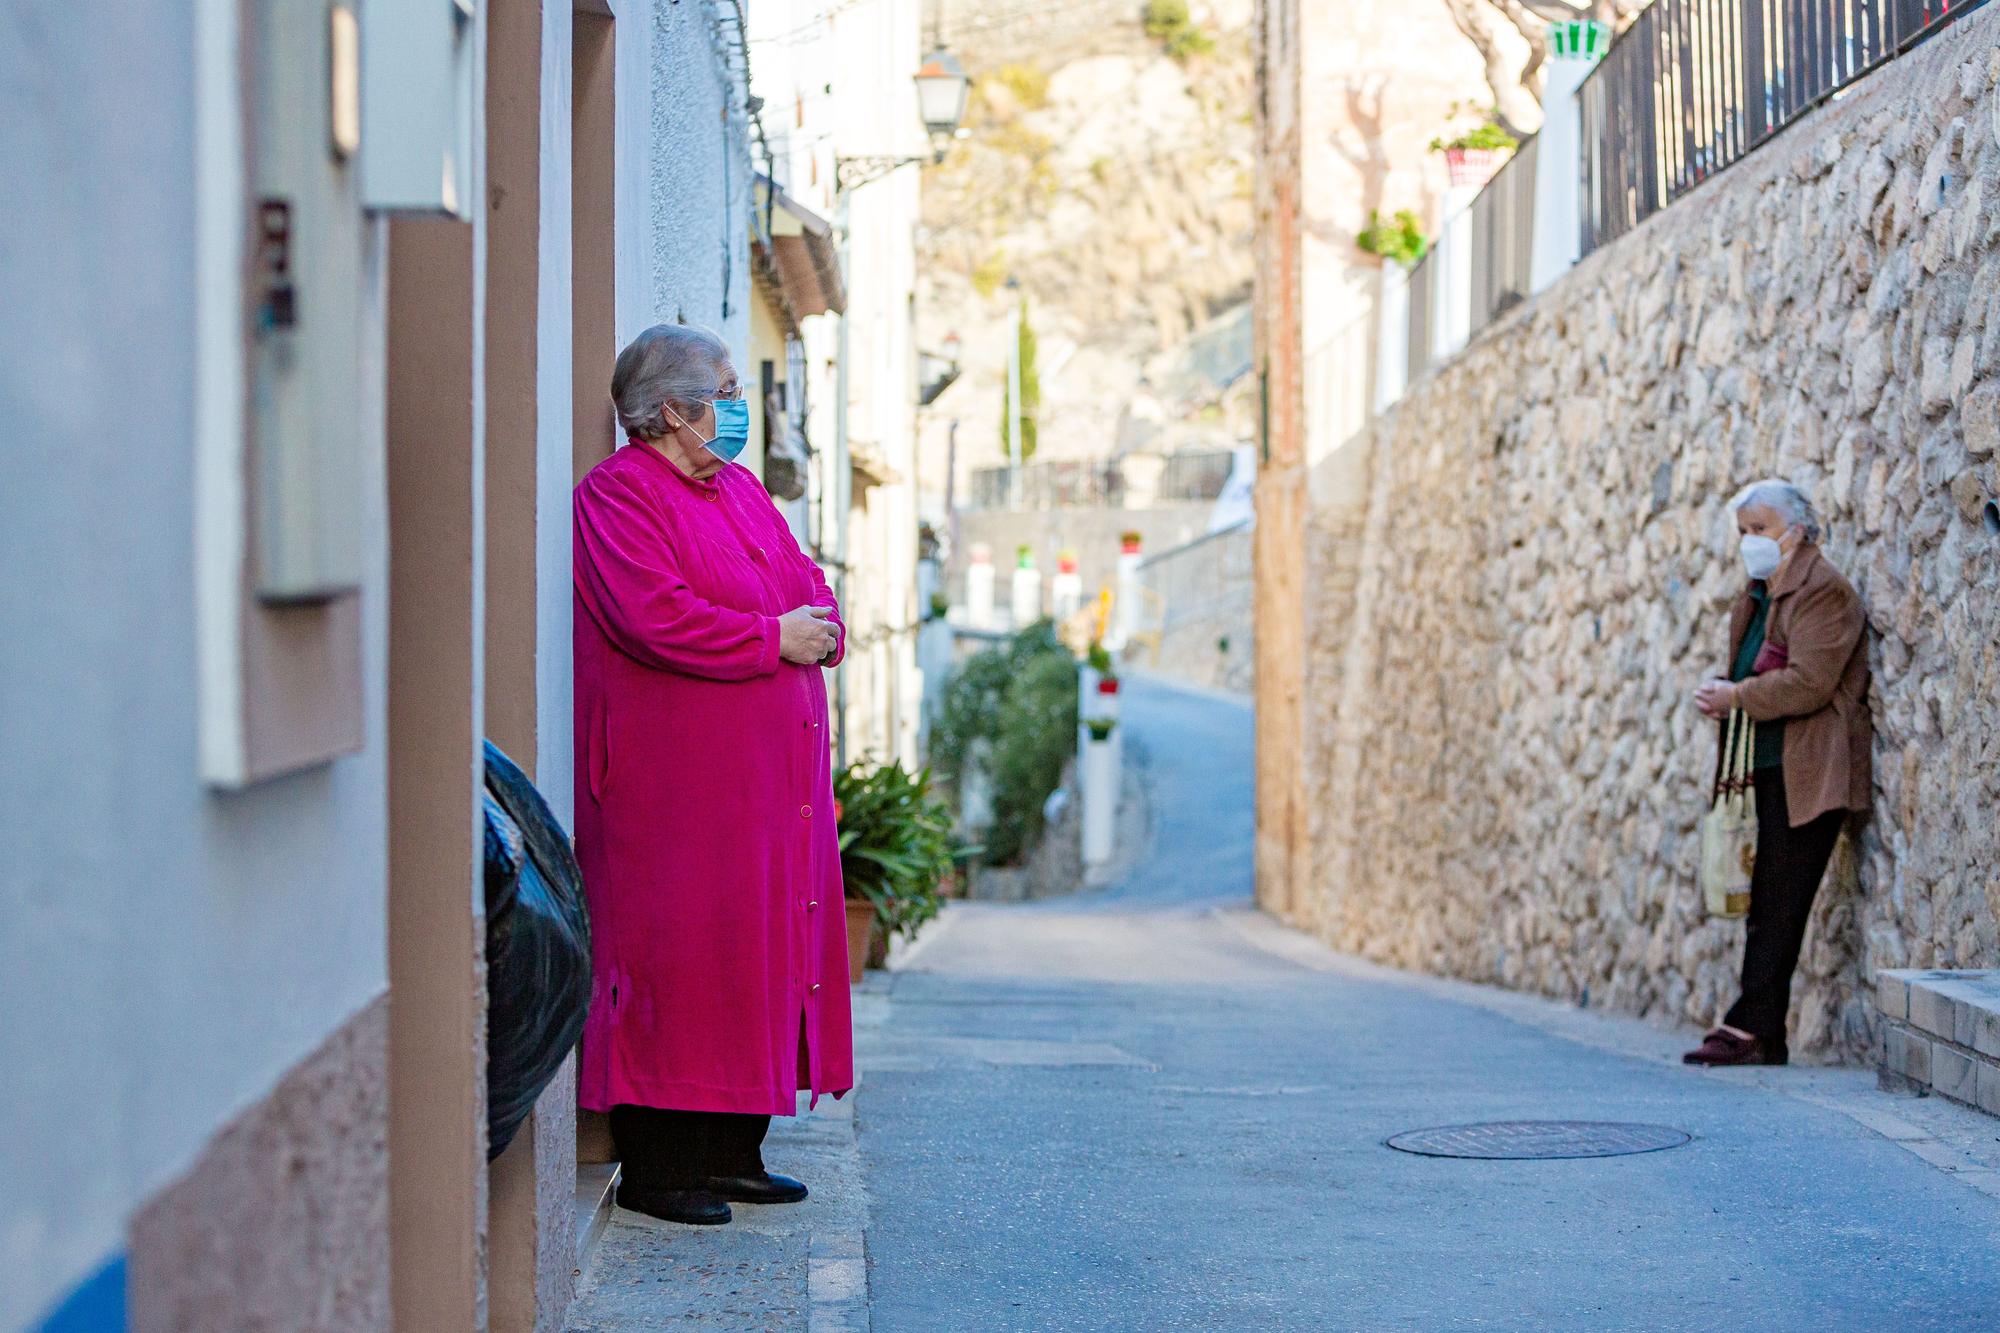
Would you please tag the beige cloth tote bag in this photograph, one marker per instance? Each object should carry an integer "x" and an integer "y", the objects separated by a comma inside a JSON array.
[{"x": 1729, "y": 830}]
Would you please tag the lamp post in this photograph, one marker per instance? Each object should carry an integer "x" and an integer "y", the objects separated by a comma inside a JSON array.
[{"x": 942, "y": 88}]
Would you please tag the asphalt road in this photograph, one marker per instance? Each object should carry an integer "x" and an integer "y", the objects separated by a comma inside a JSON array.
[{"x": 1148, "y": 1108}]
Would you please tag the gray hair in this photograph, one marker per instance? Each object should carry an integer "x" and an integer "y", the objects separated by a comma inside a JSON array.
[
  {"x": 1786, "y": 500},
  {"x": 668, "y": 362}
]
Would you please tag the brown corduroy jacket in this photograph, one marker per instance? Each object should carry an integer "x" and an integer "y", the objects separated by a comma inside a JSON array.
[{"x": 1822, "y": 690}]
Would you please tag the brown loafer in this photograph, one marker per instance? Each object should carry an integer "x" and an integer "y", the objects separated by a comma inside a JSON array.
[{"x": 1722, "y": 1047}]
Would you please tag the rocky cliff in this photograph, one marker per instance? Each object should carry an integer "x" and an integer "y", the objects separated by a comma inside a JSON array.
[{"x": 1107, "y": 171}]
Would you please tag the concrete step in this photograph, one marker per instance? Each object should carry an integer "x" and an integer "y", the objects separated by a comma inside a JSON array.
[
  {"x": 596, "y": 1185},
  {"x": 1941, "y": 1033}
]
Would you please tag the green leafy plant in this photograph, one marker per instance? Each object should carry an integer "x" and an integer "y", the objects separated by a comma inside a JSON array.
[
  {"x": 940, "y": 606},
  {"x": 1400, "y": 239},
  {"x": 1490, "y": 134},
  {"x": 1020, "y": 701},
  {"x": 1028, "y": 85},
  {"x": 895, "y": 842},
  {"x": 989, "y": 274},
  {"x": 1169, "y": 23},
  {"x": 1037, "y": 737},
  {"x": 1100, "y": 727},
  {"x": 1098, "y": 658}
]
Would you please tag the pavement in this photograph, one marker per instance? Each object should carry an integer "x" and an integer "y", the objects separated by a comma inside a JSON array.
[{"x": 1150, "y": 1107}]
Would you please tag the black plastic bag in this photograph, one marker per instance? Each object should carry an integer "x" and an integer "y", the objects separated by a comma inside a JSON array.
[{"x": 537, "y": 948}]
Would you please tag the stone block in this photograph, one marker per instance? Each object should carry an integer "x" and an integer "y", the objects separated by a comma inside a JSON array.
[
  {"x": 1906, "y": 1053},
  {"x": 1933, "y": 1010},
  {"x": 1985, "y": 1033},
  {"x": 1892, "y": 992},
  {"x": 1954, "y": 1073},
  {"x": 1987, "y": 1079}
]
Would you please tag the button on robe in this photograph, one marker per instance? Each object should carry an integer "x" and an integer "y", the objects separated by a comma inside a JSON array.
[{"x": 704, "y": 799}]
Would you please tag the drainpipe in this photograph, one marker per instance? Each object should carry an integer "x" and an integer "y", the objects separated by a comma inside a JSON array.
[{"x": 842, "y": 481}]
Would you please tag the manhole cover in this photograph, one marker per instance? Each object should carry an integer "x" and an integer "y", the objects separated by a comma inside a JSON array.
[{"x": 1531, "y": 1139}]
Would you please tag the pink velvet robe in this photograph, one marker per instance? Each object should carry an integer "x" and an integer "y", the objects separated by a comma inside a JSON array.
[{"x": 704, "y": 800}]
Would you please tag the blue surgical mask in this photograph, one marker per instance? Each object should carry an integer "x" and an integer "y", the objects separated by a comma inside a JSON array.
[{"x": 732, "y": 428}]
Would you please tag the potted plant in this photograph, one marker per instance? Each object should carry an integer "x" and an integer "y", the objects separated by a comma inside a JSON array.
[
  {"x": 1473, "y": 156},
  {"x": 1400, "y": 239},
  {"x": 895, "y": 850}
]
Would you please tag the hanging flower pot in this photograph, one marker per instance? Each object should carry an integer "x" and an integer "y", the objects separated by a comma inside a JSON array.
[
  {"x": 1472, "y": 166},
  {"x": 1108, "y": 685},
  {"x": 1471, "y": 157}
]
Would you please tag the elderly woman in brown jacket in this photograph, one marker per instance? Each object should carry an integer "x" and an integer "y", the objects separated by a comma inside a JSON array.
[{"x": 1799, "y": 670}]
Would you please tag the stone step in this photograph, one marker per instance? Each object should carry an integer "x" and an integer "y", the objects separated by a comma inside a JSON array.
[{"x": 1941, "y": 1033}]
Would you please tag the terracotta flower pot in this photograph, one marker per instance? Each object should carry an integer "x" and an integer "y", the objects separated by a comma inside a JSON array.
[{"x": 860, "y": 934}]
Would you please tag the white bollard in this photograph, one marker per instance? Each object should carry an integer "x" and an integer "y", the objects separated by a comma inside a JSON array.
[
  {"x": 1106, "y": 708},
  {"x": 1086, "y": 703},
  {"x": 1027, "y": 599},
  {"x": 1575, "y": 47},
  {"x": 1066, "y": 589},
  {"x": 979, "y": 588},
  {"x": 1126, "y": 607},
  {"x": 1100, "y": 799}
]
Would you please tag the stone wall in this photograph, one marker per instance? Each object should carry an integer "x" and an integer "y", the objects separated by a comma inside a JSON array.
[
  {"x": 1207, "y": 637},
  {"x": 1529, "y": 568}
]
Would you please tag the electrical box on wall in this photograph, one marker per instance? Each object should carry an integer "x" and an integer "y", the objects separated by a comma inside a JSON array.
[
  {"x": 418, "y": 61},
  {"x": 308, "y": 258}
]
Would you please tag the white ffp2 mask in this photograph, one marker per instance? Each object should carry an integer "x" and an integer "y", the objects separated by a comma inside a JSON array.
[{"x": 1761, "y": 556}]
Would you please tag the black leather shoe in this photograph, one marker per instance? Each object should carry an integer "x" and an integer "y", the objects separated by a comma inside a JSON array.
[
  {"x": 765, "y": 1188},
  {"x": 694, "y": 1208}
]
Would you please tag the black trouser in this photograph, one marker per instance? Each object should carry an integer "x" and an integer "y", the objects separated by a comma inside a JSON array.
[
  {"x": 682, "y": 1150},
  {"x": 1790, "y": 864}
]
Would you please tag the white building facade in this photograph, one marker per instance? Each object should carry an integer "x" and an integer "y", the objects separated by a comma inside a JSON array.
[{"x": 295, "y": 404}]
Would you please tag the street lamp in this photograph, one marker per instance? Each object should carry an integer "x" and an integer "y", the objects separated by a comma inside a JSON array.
[{"x": 941, "y": 92}]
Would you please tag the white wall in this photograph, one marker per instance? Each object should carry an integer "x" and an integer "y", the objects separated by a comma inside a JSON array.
[
  {"x": 166, "y": 953},
  {"x": 877, "y": 52},
  {"x": 700, "y": 179}
]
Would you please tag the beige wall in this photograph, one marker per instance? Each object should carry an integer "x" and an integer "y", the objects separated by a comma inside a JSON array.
[
  {"x": 1207, "y": 637},
  {"x": 1350, "y": 94},
  {"x": 1505, "y": 771}
]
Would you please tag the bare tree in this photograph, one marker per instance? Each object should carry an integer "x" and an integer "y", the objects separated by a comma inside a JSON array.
[{"x": 1516, "y": 82}]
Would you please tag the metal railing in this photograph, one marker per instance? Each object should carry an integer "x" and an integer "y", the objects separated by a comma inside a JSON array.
[
  {"x": 1503, "y": 237},
  {"x": 1423, "y": 303},
  {"x": 1137, "y": 480},
  {"x": 1694, "y": 85}
]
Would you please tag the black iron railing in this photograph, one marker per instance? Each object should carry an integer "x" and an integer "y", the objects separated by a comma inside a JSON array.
[
  {"x": 1421, "y": 307},
  {"x": 1693, "y": 85},
  {"x": 1503, "y": 237}
]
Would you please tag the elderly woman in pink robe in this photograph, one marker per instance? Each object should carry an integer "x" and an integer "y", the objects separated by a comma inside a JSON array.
[{"x": 704, "y": 798}]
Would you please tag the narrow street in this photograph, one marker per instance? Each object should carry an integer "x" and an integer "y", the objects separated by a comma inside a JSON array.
[{"x": 1151, "y": 1108}]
